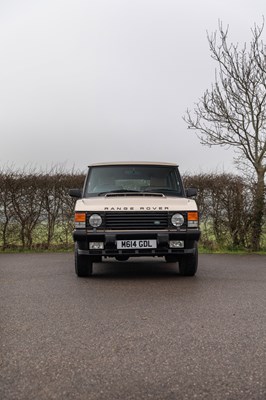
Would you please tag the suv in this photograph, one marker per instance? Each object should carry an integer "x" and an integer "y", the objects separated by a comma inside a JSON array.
[{"x": 135, "y": 209}]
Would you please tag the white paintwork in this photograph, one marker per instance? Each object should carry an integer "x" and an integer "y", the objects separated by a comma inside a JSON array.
[{"x": 136, "y": 203}]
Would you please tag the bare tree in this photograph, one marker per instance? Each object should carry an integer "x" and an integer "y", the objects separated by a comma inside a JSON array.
[
  {"x": 27, "y": 204},
  {"x": 51, "y": 188},
  {"x": 233, "y": 111},
  {"x": 6, "y": 209}
]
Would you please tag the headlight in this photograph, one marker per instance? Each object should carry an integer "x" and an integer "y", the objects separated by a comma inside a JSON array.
[
  {"x": 177, "y": 220},
  {"x": 95, "y": 220}
]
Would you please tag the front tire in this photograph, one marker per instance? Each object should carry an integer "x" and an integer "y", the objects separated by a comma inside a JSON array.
[
  {"x": 83, "y": 265},
  {"x": 188, "y": 265}
]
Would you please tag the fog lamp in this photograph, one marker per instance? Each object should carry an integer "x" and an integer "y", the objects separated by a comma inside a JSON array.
[
  {"x": 176, "y": 244},
  {"x": 96, "y": 245}
]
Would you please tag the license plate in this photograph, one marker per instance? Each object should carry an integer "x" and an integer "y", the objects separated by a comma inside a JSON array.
[{"x": 136, "y": 244}]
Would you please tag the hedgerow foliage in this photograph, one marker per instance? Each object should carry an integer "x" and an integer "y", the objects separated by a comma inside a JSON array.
[
  {"x": 36, "y": 211},
  {"x": 35, "y": 208},
  {"x": 226, "y": 203}
]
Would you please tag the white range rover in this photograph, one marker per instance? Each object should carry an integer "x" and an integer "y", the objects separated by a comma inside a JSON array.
[{"x": 135, "y": 209}]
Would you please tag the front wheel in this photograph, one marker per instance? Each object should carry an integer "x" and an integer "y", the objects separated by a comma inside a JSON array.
[
  {"x": 188, "y": 265},
  {"x": 83, "y": 265}
]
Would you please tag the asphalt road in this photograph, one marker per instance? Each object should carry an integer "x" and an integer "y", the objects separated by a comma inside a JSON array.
[{"x": 134, "y": 330}]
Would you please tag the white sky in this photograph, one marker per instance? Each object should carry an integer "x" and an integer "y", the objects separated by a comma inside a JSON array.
[{"x": 85, "y": 81}]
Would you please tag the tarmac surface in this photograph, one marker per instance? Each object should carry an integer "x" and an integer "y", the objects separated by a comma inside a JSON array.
[{"x": 134, "y": 330}]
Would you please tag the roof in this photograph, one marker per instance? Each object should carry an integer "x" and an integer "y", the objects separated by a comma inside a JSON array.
[{"x": 133, "y": 163}]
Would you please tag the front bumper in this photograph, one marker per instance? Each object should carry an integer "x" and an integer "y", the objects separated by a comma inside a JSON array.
[{"x": 83, "y": 238}]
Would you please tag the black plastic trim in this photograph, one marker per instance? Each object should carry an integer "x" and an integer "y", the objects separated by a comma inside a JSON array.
[
  {"x": 82, "y": 237},
  {"x": 190, "y": 235}
]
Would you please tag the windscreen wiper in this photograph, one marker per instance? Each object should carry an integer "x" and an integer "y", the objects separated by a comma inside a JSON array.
[{"x": 162, "y": 190}]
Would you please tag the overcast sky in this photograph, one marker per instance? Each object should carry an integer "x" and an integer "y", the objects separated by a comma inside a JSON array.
[{"x": 86, "y": 81}]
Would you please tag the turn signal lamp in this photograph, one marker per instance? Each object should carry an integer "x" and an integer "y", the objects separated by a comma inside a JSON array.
[
  {"x": 80, "y": 220},
  {"x": 192, "y": 219}
]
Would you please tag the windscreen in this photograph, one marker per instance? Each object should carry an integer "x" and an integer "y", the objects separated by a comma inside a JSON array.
[{"x": 133, "y": 178}]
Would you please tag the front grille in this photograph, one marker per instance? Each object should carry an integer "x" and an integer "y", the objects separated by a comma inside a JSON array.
[{"x": 136, "y": 220}]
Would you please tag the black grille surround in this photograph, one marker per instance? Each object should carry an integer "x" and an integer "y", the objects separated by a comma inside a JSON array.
[{"x": 136, "y": 220}]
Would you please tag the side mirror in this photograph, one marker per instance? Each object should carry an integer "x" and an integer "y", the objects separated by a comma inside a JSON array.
[
  {"x": 191, "y": 192},
  {"x": 75, "y": 193}
]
